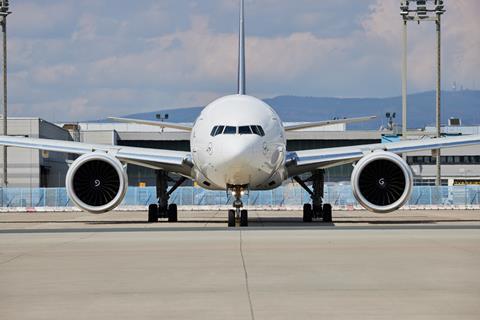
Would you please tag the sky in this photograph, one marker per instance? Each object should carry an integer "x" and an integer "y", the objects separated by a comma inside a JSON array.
[{"x": 79, "y": 60}]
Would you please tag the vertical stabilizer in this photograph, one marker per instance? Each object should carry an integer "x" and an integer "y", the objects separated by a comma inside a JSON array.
[{"x": 241, "y": 51}]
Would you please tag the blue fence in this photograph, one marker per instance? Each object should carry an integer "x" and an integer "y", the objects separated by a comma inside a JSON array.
[{"x": 339, "y": 195}]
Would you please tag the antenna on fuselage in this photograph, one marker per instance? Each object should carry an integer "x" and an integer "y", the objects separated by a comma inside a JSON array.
[{"x": 241, "y": 50}]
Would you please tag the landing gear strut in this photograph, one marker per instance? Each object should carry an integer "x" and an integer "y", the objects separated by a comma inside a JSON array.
[
  {"x": 163, "y": 209},
  {"x": 238, "y": 214},
  {"x": 317, "y": 209}
]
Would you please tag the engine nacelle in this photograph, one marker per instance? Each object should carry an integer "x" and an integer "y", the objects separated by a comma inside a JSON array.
[
  {"x": 96, "y": 182},
  {"x": 382, "y": 182}
]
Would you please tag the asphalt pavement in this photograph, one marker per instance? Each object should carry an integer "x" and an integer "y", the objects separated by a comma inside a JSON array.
[{"x": 413, "y": 265}]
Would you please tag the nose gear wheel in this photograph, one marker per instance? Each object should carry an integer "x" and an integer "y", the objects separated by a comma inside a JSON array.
[{"x": 238, "y": 216}]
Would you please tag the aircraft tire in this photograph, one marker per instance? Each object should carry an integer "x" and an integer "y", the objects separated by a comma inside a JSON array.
[
  {"x": 231, "y": 218},
  {"x": 307, "y": 212},
  {"x": 244, "y": 218},
  {"x": 153, "y": 213},
  {"x": 172, "y": 213},
  {"x": 327, "y": 212}
]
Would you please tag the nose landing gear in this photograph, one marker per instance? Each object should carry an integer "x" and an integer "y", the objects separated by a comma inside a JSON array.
[{"x": 238, "y": 216}]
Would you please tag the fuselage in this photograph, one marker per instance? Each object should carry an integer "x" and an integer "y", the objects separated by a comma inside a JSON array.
[{"x": 238, "y": 140}]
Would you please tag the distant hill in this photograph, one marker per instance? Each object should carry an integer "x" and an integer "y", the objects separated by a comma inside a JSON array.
[{"x": 421, "y": 109}]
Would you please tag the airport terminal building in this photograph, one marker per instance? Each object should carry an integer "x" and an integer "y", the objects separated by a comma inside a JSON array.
[
  {"x": 29, "y": 168},
  {"x": 33, "y": 169}
]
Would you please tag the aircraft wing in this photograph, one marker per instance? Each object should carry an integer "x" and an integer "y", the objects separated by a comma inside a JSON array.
[
  {"x": 304, "y": 161},
  {"x": 327, "y": 123},
  {"x": 160, "y": 124},
  {"x": 173, "y": 161}
]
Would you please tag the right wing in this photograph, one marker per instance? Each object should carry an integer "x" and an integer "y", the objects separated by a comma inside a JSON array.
[
  {"x": 307, "y": 160},
  {"x": 327, "y": 123},
  {"x": 172, "y": 161},
  {"x": 160, "y": 124}
]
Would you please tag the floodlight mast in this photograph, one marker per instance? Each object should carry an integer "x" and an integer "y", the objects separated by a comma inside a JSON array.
[
  {"x": 4, "y": 12},
  {"x": 162, "y": 118},
  {"x": 423, "y": 10}
]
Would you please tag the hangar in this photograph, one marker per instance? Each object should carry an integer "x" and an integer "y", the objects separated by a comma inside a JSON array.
[{"x": 33, "y": 168}]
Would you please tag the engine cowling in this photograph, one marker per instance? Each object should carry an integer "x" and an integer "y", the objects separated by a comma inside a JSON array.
[
  {"x": 382, "y": 182},
  {"x": 96, "y": 182}
]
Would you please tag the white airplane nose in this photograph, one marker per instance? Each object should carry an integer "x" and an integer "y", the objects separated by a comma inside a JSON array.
[
  {"x": 237, "y": 152},
  {"x": 237, "y": 159}
]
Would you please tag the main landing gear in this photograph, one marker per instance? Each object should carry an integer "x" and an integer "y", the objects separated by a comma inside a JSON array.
[
  {"x": 237, "y": 214},
  {"x": 317, "y": 209},
  {"x": 163, "y": 209}
]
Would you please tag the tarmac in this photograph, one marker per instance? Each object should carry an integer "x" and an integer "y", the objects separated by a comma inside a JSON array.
[{"x": 408, "y": 265}]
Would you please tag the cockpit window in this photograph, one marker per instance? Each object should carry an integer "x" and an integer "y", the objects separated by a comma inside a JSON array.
[
  {"x": 253, "y": 129},
  {"x": 258, "y": 130},
  {"x": 214, "y": 130},
  {"x": 219, "y": 130},
  {"x": 244, "y": 130},
  {"x": 230, "y": 130},
  {"x": 262, "y": 133}
]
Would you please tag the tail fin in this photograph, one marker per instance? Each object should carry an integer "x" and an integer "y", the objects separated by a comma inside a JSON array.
[{"x": 241, "y": 51}]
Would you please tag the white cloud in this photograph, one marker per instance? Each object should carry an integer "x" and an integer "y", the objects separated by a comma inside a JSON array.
[
  {"x": 86, "y": 28},
  {"x": 200, "y": 58},
  {"x": 90, "y": 59},
  {"x": 53, "y": 74},
  {"x": 460, "y": 42},
  {"x": 37, "y": 18}
]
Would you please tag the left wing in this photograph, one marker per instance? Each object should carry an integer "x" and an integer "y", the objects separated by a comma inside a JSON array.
[
  {"x": 327, "y": 123},
  {"x": 173, "y": 161},
  {"x": 160, "y": 124},
  {"x": 299, "y": 162}
]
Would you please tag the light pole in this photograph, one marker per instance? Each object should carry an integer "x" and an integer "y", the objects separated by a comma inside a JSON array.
[
  {"x": 390, "y": 120},
  {"x": 423, "y": 10},
  {"x": 4, "y": 12},
  {"x": 162, "y": 118}
]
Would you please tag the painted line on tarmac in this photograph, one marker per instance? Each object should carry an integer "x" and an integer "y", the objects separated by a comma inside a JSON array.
[{"x": 253, "y": 228}]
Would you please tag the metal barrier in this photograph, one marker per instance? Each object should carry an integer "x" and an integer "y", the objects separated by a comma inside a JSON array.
[{"x": 287, "y": 196}]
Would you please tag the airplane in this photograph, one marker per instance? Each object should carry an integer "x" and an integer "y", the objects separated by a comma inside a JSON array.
[{"x": 238, "y": 144}]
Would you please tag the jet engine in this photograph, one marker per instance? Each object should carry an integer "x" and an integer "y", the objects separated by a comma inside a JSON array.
[
  {"x": 96, "y": 182},
  {"x": 382, "y": 182}
]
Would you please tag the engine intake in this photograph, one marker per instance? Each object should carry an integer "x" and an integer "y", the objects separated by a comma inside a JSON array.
[
  {"x": 382, "y": 182},
  {"x": 96, "y": 182}
]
